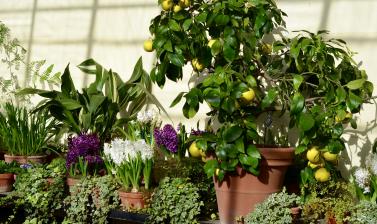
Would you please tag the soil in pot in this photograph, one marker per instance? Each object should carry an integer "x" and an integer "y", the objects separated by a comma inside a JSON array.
[
  {"x": 25, "y": 159},
  {"x": 237, "y": 194},
  {"x": 6, "y": 182}
]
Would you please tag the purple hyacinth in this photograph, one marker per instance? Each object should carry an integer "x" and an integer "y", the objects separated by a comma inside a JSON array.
[
  {"x": 82, "y": 145},
  {"x": 93, "y": 159},
  {"x": 167, "y": 137}
]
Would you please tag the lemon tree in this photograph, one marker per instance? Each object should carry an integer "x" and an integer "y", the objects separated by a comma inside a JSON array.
[{"x": 241, "y": 75}]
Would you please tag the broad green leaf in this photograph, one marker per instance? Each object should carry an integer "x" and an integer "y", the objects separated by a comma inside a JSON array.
[
  {"x": 269, "y": 98},
  {"x": 221, "y": 20},
  {"x": 240, "y": 145},
  {"x": 201, "y": 17},
  {"x": 355, "y": 84},
  {"x": 212, "y": 96},
  {"x": 253, "y": 151},
  {"x": 233, "y": 133},
  {"x": 210, "y": 167},
  {"x": 70, "y": 104},
  {"x": 174, "y": 25},
  {"x": 306, "y": 122},
  {"x": 248, "y": 160},
  {"x": 67, "y": 86},
  {"x": 94, "y": 102},
  {"x": 186, "y": 24},
  {"x": 297, "y": 103},
  {"x": 251, "y": 81},
  {"x": 176, "y": 59},
  {"x": 297, "y": 80},
  {"x": 229, "y": 52},
  {"x": 177, "y": 99},
  {"x": 341, "y": 94},
  {"x": 300, "y": 149},
  {"x": 353, "y": 101}
]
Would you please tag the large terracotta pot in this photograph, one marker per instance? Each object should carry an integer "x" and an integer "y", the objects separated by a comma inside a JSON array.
[
  {"x": 131, "y": 200},
  {"x": 25, "y": 159},
  {"x": 237, "y": 194},
  {"x": 6, "y": 182}
]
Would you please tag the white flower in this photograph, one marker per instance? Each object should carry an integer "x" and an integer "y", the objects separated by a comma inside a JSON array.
[
  {"x": 145, "y": 150},
  {"x": 146, "y": 116},
  {"x": 362, "y": 178},
  {"x": 120, "y": 151}
]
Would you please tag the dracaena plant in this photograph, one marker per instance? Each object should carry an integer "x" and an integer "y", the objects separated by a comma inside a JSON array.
[
  {"x": 242, "y": 72},
  {"x": 96, "y": 108}
]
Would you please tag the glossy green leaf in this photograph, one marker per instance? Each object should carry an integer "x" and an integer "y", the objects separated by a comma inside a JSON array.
[
  {"x": 174, "y": 25},
  {"x": 70, "y": 104},
  {"x": 355, "y": 84},
  {"x": 177, "y": 99},
  {"x": 233, "y": 133},
  {"x": 269, "y": 98},
  {"x": 297, "y": 80},
  {"x": 210, "y": 167},
  {"x": 297, "y": 103},
  {"x": 253, "y": 151},
  {"x": 353, "y": 101},
  {"x": 300, "y": 149},
  {"x": 306, "y": 122}
]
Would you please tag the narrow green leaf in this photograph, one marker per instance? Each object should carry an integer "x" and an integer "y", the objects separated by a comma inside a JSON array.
[{"x": 177, "y": 99}]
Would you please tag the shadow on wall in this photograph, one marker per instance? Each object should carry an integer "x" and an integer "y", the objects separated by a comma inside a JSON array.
[{"x": 359, "y": 146}]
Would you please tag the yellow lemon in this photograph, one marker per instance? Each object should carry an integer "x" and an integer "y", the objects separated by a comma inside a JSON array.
[
  {"x": 313, "y": 155},
  {"x": 217, "y": 172},
  {"x": 184, "y": 3},
  {"x": 195, "y": 151},
  {"x": 148, "y": 45},
  {"x": 331, "y": 157},
  {"x": 211, "y": 42},
  {"x": 177, "y": 8},
  {"x": 197, "y": 65},
  {"x": 322, "y": 175},
  {"x": 167, "y": 5},
  {"x": 313, "y": 165},
  {"x": 248, "y": 96},
  {"x": 266, "y": 48}
]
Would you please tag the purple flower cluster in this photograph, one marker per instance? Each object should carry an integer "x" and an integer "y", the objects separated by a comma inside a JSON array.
[
  {"x": 167, "y": 137},
  {"x": 86, "y": 146}
]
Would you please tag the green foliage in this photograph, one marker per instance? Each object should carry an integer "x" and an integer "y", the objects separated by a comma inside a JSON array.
[
  {"x": 12, "y": 167},
  {"x": 96, "y": 108},
  {"x": 23, "y": 133},
  {"x": 92, "y": 200},
  {"x": 276, "y": 209},
  {"x": 309, "y": 77},
  {"x": 328, "y": 200},
  {"x": 176, "y": 201},
  {"x": 39, "y": 197},
  {"x": 365, "y": 212},
  {"x": 192, "y": 169}
]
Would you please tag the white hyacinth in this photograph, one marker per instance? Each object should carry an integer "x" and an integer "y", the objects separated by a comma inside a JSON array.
[
  {"x": 146, "y": 116},
  {"x": 372, "y": 163},
  {"x": 120, "y": 151},
  {"x": 362, "y": 178}
]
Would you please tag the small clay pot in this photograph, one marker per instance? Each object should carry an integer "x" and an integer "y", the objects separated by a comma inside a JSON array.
[
  {"x": 25, "y": 159},
  {"x": 6, "y": 182},
  {"x": 71, "y": 182},
  {"x": 131, "y": 200}
]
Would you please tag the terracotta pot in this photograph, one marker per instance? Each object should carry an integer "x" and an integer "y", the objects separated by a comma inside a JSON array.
[
  {"x": 25, "y": 159},
  {"x": 296, "y": 213},
  {"x": 131, "y": 200},
  {"x": 71, "y": 182},
  {"x": 6, "y": 182},
  {"x": 237, "y": 194}
]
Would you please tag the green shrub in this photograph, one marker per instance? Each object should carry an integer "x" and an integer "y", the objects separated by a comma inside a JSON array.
[
  {"x": 176, "y": 201},
  {"x": 92, "y": 200},
  {"x": 364, "y": 213},
  {"x": 276, "y": 209}
]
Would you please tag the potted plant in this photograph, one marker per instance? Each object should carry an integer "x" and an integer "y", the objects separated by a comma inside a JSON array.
[
  {"x": 25, "y": 135},
  {"x": 7, "y": 170},
  {"x": 277, "y": 208},
  {"x": 243, "y": 73},
  {"x": 363, "y": 212},
  {"x": 131, "y": 162},
  {"x": 83, "y": 157},
  {"x": 176, "y": 200},
  {"x": 96, "y": 107}
]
